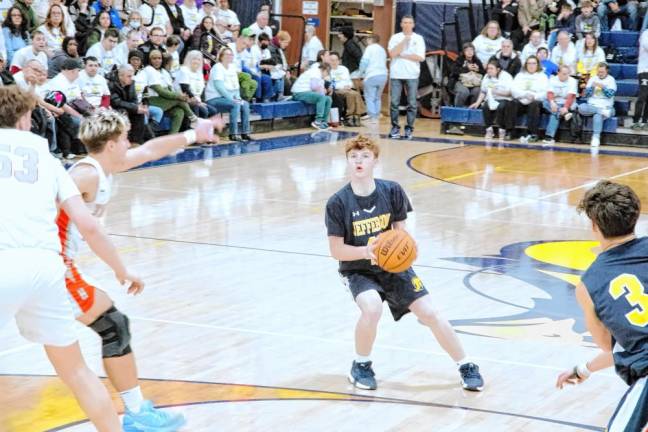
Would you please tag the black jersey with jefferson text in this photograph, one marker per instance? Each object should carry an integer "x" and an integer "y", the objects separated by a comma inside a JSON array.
[{"x": 358, "y": 219}]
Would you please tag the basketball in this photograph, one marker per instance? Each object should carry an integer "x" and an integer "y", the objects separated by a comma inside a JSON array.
[{"x": 395, "y": 251}]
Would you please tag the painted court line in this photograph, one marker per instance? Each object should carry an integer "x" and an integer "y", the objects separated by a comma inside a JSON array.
[{"x": 349, "y": 342}]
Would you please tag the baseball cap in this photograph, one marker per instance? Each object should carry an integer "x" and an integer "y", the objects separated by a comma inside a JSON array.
[{"x": 247, "y": 32}]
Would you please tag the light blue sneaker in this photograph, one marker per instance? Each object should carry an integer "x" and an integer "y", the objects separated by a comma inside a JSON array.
[{"x": 150, "y": 419}]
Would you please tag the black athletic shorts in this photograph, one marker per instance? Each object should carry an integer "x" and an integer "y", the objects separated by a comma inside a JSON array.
[{"x": 399, "y": 290}]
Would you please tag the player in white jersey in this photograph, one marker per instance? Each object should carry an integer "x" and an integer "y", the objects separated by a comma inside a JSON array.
[
  {"x": 32, "y": 286},
  {"x": 105, "y": 135}
]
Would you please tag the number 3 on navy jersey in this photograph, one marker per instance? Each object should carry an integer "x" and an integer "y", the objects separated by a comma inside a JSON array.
[
  {"x": 635, "y": 294},
  {"x": 29, "y": 171}
]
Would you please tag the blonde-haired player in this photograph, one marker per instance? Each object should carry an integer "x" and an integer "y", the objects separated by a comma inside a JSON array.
[
  {"x": 32, "y": 285},
  {"x": 105, "y": 136}
]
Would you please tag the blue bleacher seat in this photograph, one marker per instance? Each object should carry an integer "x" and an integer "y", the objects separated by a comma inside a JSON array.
[
  {"x": 627, "y": 87},
  {"x": 292, "y": 109},
  {"x": 619, "y": 39},
  {"x": 265, "y": 110}
]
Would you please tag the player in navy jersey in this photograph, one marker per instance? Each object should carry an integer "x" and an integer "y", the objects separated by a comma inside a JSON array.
[
  {"x": 614, "y": 296},
  {"x": 355, "y": 216}
]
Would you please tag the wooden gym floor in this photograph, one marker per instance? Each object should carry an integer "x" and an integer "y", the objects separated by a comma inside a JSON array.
[{"x": 245, "y": 326}]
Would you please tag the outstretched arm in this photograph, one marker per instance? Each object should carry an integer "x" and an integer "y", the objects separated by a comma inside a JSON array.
[
  {"x": 580, "y": 373},
  {"x": 162, "y": 146}
]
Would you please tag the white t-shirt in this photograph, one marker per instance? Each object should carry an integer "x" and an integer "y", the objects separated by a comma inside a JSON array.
[
  {"x": 71, "y": 90},
  {"x": 589, "y": 59},
  {"x": 229, "y": 77},
  {"x": 303, "y": 83},
  {"x": 502, "y": 83},
  {"x": 257, "y": 30},
  {"x": 561, "y": 89},
  {"x": 121, "y": 53},
  {"x": 23, "y": 55},
  {"x": 151, "y": 77},
  {"x": 93, "y": 88},
  {"x": 141, "y": 81},
  {"x": 642, "y": 65},
  {"x": 191, "y": 16},
  {"x": 19, "y": 78},
  {"x": 341, "y": 77},
  {"x": 403, "y": 68},
  {"x": 375, "y": 58},
  {"x": 156, "y": 17},
  {"x": 567, "y": 57},
  {"x": 485, "y": 47},
  {"x": 54, "y": 37},
  {"x": 310, "y": 50},
  {"x": 37, "y": 181},
  {"x": 195, "y": 80},
  {"x": 229, "y": 17},
  {"x": 107, "y": 59},
  {"x": 529, "y": 50},
  {"x": 598, "y": 99},
  {"x": 525, "y": 82}
]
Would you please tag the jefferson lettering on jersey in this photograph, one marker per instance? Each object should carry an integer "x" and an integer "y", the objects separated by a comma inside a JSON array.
[{"x": 358, "y": 219}]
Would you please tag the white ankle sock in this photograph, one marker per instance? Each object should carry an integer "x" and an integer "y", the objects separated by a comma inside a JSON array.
[
  {"x": 362, "y": 359},
  {"x": 463, "y": 361},
  {"x": 133, "y": 399}
]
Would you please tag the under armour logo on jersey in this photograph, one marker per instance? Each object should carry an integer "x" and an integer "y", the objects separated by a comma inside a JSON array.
[
  {"x": 355, "y": 213},
  {"x": 370, "y": 210}
]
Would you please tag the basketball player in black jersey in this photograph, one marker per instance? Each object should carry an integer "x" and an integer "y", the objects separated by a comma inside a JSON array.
[
  {"x": 355, "y": 216},
  {"x": 614, "y": 296}
]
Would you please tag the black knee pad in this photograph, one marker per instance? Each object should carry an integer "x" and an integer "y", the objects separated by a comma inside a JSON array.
[{"x": 113, "y": 328}]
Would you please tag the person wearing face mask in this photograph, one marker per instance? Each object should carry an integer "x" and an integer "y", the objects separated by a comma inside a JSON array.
[
  {"x": 251, "y": 59},
  {"x": 134, "y": 24}
]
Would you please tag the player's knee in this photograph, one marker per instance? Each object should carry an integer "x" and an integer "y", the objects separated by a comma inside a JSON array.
[
  {"x": 371, "y": 311},
  {"x": 113, "y": 328},
  {"x": 429, "y": 317}
]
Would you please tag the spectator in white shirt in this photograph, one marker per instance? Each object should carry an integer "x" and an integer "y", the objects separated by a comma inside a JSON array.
[
  {"x": 190, "y": 13},
  {"x": 261, "y": 25},
  {"x": 312, "y": 46},
  {"x": 229, "y": 16},
  {"x": 373, "y": 69},
  {"x": 340, "y": 78},
  {"x": 600, "y": 91},
  {"x": 134, "y": 23},
  {"x": 154, "y": 15},
  {"x": 93, "y": 86},
  {"x": 498, "y": 107},
  {"x": 209, "y": 9},
  {"x": 561, "y": 96},
  {"x": 529, "y": 92},
  {"x": 54, "y": 28},
  {"x": 536, "y": 41},
  {"x": 67, "y": 124},
  {"x": 488, "y": 42},
  {"x": 34, "y": 51},
  {"x": 130, "y": 43},
  {"x": 640, "y": 118},
  {"x": 407, "y": 51},
  {"x": 104, "y": 51},
  {"x": 564, "y": 53},
  {"x": 588, "y": 56},
  {"x": 190, "y": 81}
]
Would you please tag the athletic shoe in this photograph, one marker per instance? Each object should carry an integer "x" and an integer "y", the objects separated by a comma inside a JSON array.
[
  {"x": 533, "y": 139},
  {"x": 320, "y": 125},
  {"x": 235, "y": 138},
  {"x": 150, "y": 419},
  {"x": 596, "y": 141},
  {"x": 489, "y": 133},
  {"x": 408, "y": 133},
  {"x": 362, "y": 376},
  {"x": 246, "y": 137},
  {"x": 568, "y": 116},
  {"x": 549, "y": 141},
  {"x": 395, "y": 133},
  {"x": 524, "y": 139},
  {"x": 471, "y": 379},
  {"x": 366, "y": 117},
  {"x": 636, "y": 126},
  {"x": 502, "y": 135}
]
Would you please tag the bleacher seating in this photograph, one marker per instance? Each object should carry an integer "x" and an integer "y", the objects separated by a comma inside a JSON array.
[{"x": 625, "y": 43}]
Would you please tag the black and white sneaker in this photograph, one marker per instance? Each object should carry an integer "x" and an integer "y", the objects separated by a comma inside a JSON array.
[
  {"x": 408, "y": 133},
  {"x": 362, "y": 376},
  {"x": 471, "y": 379},
  {"x": 395, "y": 133}
]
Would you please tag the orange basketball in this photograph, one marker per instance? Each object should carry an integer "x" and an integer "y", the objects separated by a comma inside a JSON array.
[{"x": 395, "y": 251}]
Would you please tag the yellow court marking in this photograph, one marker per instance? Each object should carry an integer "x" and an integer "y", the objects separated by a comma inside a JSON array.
[{"x": 576, "y": 255}]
